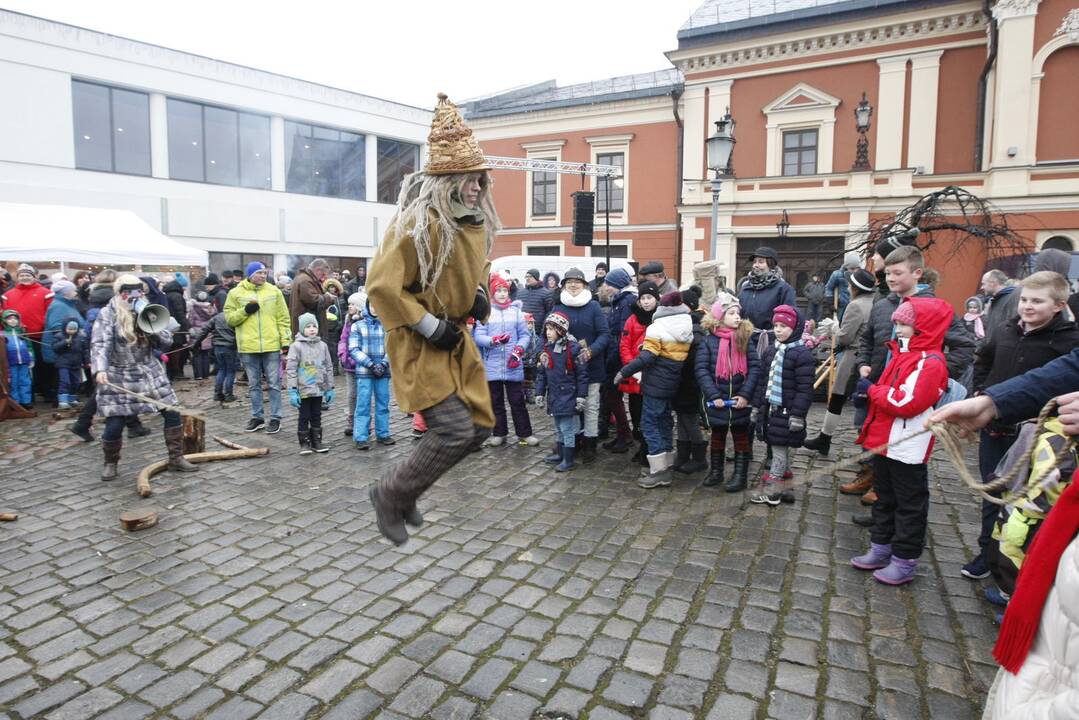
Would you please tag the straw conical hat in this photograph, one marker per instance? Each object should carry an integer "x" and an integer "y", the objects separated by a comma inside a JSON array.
[{"x": 451, "y": 146}]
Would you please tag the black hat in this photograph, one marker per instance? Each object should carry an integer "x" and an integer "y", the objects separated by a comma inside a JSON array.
[
  {"x": 691, "y": 296},
  {"x": 764, "y": 252},
  {"x": 647, "y": 287},
  {"x": 894, "y": 242},
  {"x": 226, "y": 273},
  {"x": 651, "y": 268},
  {"x": 533, "y": 272},
  {"x": 863, "y": 280},
  {"x": 601, "y": 266},
  {"x": 573, "y": 274},
  {"x": 211, "y": 279},
  {"x": 239, "y": 273}
]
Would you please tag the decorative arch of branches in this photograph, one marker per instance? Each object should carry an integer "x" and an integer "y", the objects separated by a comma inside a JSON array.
[{"x": 953, "y": 213}]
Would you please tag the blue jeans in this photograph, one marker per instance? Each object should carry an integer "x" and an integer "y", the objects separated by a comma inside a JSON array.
[
  {"x": 814, "y": 312},
  {"x": 228, "y": 362},
  {"x": 70, "y": 379},
  {"x": 361, "y": 421},
  {"x": 259, "y": 365},
  {"x": 21, "y": 383},
  {"x": 657, "y": 425},
  {"x": 565, "y": 429},
  {"x": 991, "y": 450}
]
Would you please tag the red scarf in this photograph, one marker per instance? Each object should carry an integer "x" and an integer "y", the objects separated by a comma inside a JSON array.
[
  {"x": 1036, "y": 578},
  {"x": 730, "y": 361}
]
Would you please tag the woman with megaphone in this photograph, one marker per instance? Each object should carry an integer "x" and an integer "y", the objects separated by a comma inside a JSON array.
[{"x": 127, "y": 332}]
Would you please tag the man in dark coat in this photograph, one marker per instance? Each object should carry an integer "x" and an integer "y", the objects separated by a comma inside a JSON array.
[
  {"x": 654, "y": 271},
  {"x": 1003, "y": 300},
  {"x": 309, "y": 296},
  {"x": 177, "y": 305},
  {"x": 621, "y": 295},
  {"x": 536, "y": 300},
  {"x": 814, "y": 294}
]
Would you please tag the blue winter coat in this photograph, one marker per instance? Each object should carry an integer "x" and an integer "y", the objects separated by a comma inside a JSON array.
[
  {"x": 536, "y": 301},
  {"x": 587, "y": 323},
  {"x": 503, "y": 321},
  {"x": 799, "y": 368},
  {"x": 561, "y": 378},
  {"x": 18, "y": 347},
  {"x": 758, "y": 305},
  {"x": 60, "y": 313},
  {"x": 71, "y": 355},
  {"x": 713, "y": 388},
  {"x": 621, "y": 308}
]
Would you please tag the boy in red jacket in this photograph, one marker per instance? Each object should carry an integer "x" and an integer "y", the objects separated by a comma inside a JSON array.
[{"x": 914, "y": 379}]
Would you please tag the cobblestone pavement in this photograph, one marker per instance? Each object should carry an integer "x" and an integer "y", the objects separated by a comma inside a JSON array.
[{"x": 266, "y": 591}]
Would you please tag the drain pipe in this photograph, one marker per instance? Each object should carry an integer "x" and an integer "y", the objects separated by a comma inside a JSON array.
[
  {"x": 983, "y": 87},
  {"x": 676, "y": 95}
]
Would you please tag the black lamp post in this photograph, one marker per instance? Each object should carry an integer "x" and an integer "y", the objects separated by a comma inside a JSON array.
[
  {"x": 862, "y": 115},
  {"x": 720, "y": 148},
  {"x": 783, "y": 225}
]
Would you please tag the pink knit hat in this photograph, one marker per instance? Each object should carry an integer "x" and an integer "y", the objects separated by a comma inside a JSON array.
[
  {"x": 785, "y": 314},
  {"x": 724, "y": 302},
  {"x": 904, "y": 314}
]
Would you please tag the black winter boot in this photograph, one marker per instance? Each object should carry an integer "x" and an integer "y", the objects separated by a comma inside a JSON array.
[
  {"x": 681, "y": 455},
  {"x": 304, "y": 436},
  {"x": 588, "y": 450},
  {"x": 715, "y": 472},
  {"x": 555, "y": 456},
  {"x": 740, "y": 477},
  {"x": 174, "y": 441},
  {"x": 111, "y": 449},
  {"x": 316, "y": 440},
  {"x": 822, "y": 444},
  {"x": 697, "y": 453}
]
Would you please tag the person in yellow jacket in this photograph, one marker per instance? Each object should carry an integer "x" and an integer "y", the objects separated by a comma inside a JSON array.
[
  {"x": 258, "y": 311},
  {"x": 428, "y": 278}
]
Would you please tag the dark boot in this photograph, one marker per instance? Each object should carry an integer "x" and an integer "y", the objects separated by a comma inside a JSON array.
[
  {"x": 137, "y": 430},
  {"x": 739, "y": 479},
  {"x": 111, "y": 449},
  {"x": 413, "y": 516},
  {"x": 555, "y": 456},
  {"x": 619, "y": 445},
  {"x": 822, "y": 444},
  {"x": 715, "y": 472},
  {"x": 304, "y": 436},
  {"x": 174, "y": 441},
  {"x": 316, "y": 440},
  {"x": 697, "y": 453},
  {"x": 567, "y": 458},
  {"x": 389, "y": 516},
  {"x": 681, "y": 455},
  {"x": 82, "y": 431},
  {"x": 588, "y": 451}
]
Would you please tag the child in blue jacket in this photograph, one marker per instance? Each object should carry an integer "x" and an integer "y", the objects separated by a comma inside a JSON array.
[
  {"x": 561, "y": 385},
  {"x": 72, "y": 353},
  {"x": 20, "y": 359},
  {"x": 367, "y": 348},
  {"x": 504, "y": 340}
]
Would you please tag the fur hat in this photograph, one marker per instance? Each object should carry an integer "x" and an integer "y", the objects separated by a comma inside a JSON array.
[
  {"x": 617, "y": 278},
  {"x": 496, "y": 281},
  {"x": 559, "y": 321},
  {"x": 305, "y": 321},
  {"x": 573, "y": 274},
  {"x": 451, "y": 148},
  {"x": 863, "y": 280},
  {"x": 671, "y": 299},
  {"x": 252, "y": 268},
  {"x": 335, "y": 285},
  {"x": 724, "y": 302},
  {"x": 852, "y": 261},
  {"x": 904, "y": 314},
  {"x": 648, "y": 287},
  {"x": 785, "y": 314}
]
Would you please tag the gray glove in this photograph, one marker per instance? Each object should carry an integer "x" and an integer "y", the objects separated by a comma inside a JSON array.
[
  {"x": 796, "y": 424},
  {"x": 753, "y": 415},
  {"x": 618, "y": 378},
  {"x": 541, "y": 401},
  {"x": 581, "y": 402},
  {"x": 439, "y": 333}
]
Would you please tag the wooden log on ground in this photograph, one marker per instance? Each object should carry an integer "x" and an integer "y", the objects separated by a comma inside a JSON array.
[
  {"x": 8, "y": 517},
  {"x": 138, "y": 519},
  {"x": 142, "y": 483},
  {"x": 194, "y": 435}
]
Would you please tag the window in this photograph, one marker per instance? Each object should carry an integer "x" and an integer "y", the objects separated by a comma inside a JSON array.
[
  {"x": 218, "y": 145},
  {"x": 220, "y": 262},
  {"x": 395, "y": 160},
  {"x": 800, "y": 152},
  {"x": 324, "y": 161},
  {"x": 543, "y": 249},
  {"x": 544, "y": 193},
  {"x": 112, "y": 129},
  {"x": 603, "y": 184},
  {"x": 599, "y": 249}
]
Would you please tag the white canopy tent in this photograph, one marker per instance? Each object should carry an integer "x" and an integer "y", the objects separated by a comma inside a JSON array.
[{"x": 36, "y": 233}]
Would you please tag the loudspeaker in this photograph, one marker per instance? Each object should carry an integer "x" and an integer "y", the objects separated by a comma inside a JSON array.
[
  {"x": 584, "y": 212},
  {"x": 153, "y": 319}
]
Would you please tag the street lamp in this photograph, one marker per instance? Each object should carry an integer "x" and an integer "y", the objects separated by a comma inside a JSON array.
[
  {"x": 783, "y": 225},
  {"x": 862, "y": 115},
  {"x": 720, "y": 147}
]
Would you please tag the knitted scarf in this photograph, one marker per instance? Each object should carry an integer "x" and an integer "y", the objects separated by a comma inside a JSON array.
[
  {"x": 764, "y": 280},
  {"x": 1036, "y": 579},
  {"x": 775, "y": 373},
  {"x": 730, "y": 361}
]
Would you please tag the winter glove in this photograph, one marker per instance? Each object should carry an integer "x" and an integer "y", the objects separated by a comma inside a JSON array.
[
  {"x": 796, "y": 424},
  {"x": 541, "y": 401},
  {"x": 617, "y": 378},
  {"x": 861, "y": 393},
  {"x": 252, "y": 307},
  {"x": 378, "y": 369},
  {"x": 500, "y": 339},
  {"x": 481, "y": 307},
  {"x": 439, "y": 333},
  {"x": 294, "y": 397},
  {"x": 327, "y": 398},
  {"x": 581, "y": 402},
  {"x": 754, "y": 414},
  {"x": 584, "y": 356},
  {"x": 515, "y": 357}
]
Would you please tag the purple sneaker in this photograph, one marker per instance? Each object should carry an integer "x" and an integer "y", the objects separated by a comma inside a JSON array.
[
  {"x": 877, "y": 557},
  {"x": 898, "y": 572}
]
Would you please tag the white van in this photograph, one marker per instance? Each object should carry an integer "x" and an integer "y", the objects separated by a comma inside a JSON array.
[{"x": 516, "y": 266}]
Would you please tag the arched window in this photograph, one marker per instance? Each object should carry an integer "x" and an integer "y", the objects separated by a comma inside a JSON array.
[{"x": 1059, "y": 242}]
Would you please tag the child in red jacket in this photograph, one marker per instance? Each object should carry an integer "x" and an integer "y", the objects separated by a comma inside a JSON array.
[{"x": 914, "y": 379}]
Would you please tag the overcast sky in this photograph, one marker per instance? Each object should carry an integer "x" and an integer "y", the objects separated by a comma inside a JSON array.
[{"x": 403, "y": 50}]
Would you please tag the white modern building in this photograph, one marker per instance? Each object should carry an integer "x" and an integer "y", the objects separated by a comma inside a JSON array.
[{"x": 246, "y": 164}]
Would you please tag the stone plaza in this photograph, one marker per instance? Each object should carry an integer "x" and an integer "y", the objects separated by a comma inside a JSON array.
[{"x": 266, "y": 590}]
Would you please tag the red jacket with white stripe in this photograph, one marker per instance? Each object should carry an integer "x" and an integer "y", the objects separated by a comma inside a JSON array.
[{"x": 913, "y": 381}]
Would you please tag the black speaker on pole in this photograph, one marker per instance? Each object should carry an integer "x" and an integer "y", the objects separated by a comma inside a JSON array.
[{"x": 584, "y": 211}]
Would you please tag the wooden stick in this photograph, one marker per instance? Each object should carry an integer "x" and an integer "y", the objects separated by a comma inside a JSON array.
[
  {"x": 142, "y": 483},
  {"x": 228, "y": 443},
  {"x": 8, "y": 517},
  {"x": 155, "y": 402}
]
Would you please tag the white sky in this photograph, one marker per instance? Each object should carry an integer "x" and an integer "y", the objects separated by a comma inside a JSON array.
[{"x": 400, "y": 50}]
